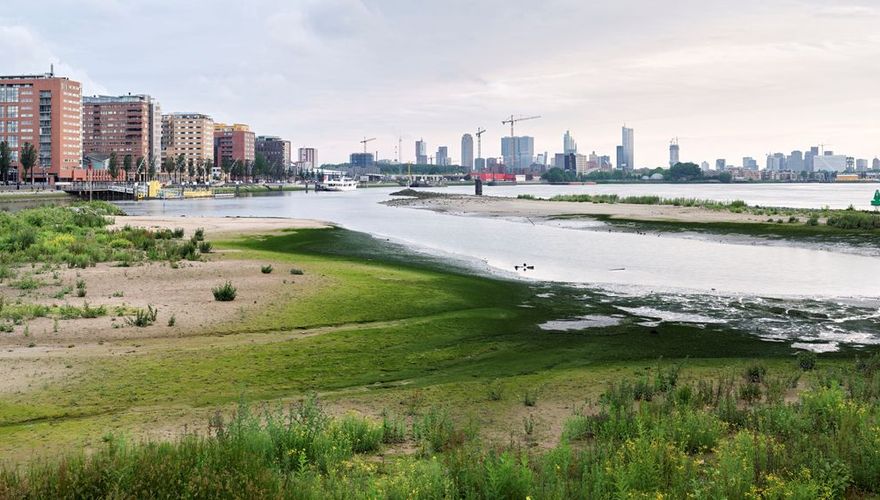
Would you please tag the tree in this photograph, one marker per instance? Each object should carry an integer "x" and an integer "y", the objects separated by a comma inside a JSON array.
[
  {"x": 113, "y": 166},
  {"x": 126, "y": 166},
  {"x": 191, "y": 169},
  {"x": 151, "y": 167},
  {"x": 226, "y": 167},
  {"x": 207, "y": 166},
  {"x": 685, "y": 172},
  {"x": 168, "y": 166},
  {"x": 261, "y": 166},
  {"x": 725, "y": 177},
  {"x": 5, "y": 161},
  {"x": 28, "y": 160},
  {"x": 181, "y": 166},
  {"x": 139, "y": 167}
]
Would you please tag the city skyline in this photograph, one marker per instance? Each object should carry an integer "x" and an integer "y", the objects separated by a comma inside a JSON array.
[{"x": 719, "y": 96}]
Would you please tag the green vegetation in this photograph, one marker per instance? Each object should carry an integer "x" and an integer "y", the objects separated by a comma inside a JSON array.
[
  {"x": 690, "y": 440},
  {"x": 19, "y": 312},
  {"x": 143, "y": 317},
  {"x": 855, "y": 220},
  {"x": 459, "y": 358},
  {"x": 77, "y": 236},
  {"x": 267, "y": 269},
  {"x": 224, "y": 293}
]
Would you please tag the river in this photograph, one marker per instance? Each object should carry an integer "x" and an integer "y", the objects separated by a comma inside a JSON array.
[{"x": 774, "y": 290}]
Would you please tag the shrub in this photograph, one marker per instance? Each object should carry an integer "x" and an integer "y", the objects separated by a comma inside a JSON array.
[
  {"x": 177, "y": 233},
  {"x": 530, "y": 397},
  {"x": 172, "y": 320},
  {"x": 495, "y": 390},
  {"x": 266, "y": 269},
  {"x": 188, "y": 251},
  {"x": 755, "y": 373},
  {"x": 435, "y": 431},
  {"x": 296, "y": 272},
  {"x": 206, "y": 247},
  {"x": 27, "y": 283},
  {"x": 750, "y": 392},
  {"x": 225, "y": 292},
  {"x": 806, "y": 360},
  {"x": 393, "y": 428},
  {"x": 199, "y": 234},
  {"x": 813, "y": 221},
  {"x": 143, "y": 317},
  {"x": 80, "y": 288}
]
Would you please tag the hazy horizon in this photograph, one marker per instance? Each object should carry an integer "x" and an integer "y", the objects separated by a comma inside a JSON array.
[{"x": 729, "y": 80}]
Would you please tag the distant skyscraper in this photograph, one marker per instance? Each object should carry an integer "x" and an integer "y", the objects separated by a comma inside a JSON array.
[
  {"x": 480, "y": 164},
  {"x": 795, "y": 161},
  {"x": 518, "y": 152},
  {"x": 808, "y": 158},
  {"x": 620, "y": 159},
  {"x": 749, "y": 163},
  {"x": 875, "y": 164},
  {"x": 830, "y": 163},
  {"x": 569, "y": 145},
  {"x": 720, "y": 164},
  {"x": 629, "y": 148},
  {"x": 704, "y": 166},
  {"x": 673, "y": 153},
  {"x": 362, "y": 160},
  {"x": 776, "y": 161},
  {"x": 467, "y": 151},
  {"x": 861, "y": 165},
  {"x": 442, "y": 157},
  {"x": 421, "y": 152}
]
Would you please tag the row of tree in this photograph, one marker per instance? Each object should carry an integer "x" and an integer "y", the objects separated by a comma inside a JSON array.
[
  {"x": 28, "y": 160},
  {"x": 180, "y": 169}
]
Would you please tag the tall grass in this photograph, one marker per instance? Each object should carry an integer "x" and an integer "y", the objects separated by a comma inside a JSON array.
[{"x": 692, "y": 440}]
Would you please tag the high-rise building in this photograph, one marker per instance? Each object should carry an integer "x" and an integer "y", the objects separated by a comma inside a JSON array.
[
  {"x": 628, "y": 149},
  {"x": 421, "y": 152},
  {"x": 795, "y": 161},
  {"x": 518, "y": 152},
  {"x": 128, "y": 125},
  {"x": 480, "y": 164},
  {"x": 46, "y": 112},
  {"x": 720, "y": 164},
  {"x": 442, "y": 157},
  {"x": 875, "y": 165},
  {"x": 750, "y": 163},
  {"x": 233, "y": 144},
  {"x": 605, "y": 163},
  {"x": 829, "y": 163},
  {"x": 704, "y": 166},
  {"x": 308, "y": 158},
  {"x": 620, "y": 159},
  {"x": 776, "y": 162},
  {"x": 673, "y": 153},
  {"x": 569, "y": 145},
  {"x": 188, "y": 134},
  {"x": 808, "y": 158},
  {"x": 467, "y": 151},
  {"x": 861, "y": 165},
  {"x": 362, "y": 160},
  {"x": 275, "y": 150}
]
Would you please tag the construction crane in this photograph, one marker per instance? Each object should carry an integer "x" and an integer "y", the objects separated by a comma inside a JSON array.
[
  {"x": 515, "y": 119},
  {"x": 480, "y": 132},
  {"x": 514, "y": 146},
  {"x": 365, "y": 142}
]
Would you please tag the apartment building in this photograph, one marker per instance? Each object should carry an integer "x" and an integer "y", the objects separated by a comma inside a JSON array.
[
  {"x": 275, "y": 150},
  {"x": 233, "y": 143},
  {"x": 45, "y": 111},
  {"x": 129, "y": 125},
  {"x": 188, "y": 134}
]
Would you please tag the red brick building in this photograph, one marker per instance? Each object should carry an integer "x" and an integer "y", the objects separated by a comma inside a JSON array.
[
  {"x": 46, "y": 111},
  {"x": 125, "y": 125},
  {"x": 233, "y": 143}
]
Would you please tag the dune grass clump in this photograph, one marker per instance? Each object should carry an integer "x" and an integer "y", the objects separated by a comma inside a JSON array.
[
  {"x": 225, "y": 292},
  {"x": 267, "y": 269},
  {"x": 143, "y": 317}
]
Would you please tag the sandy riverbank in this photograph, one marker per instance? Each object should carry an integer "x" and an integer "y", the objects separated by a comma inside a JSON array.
[
  {"x": 491, "y": 206},
  {"x": 40, "y": 350}
]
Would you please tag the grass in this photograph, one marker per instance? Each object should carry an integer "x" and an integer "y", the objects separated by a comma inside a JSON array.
[
  {"x": 695, "y": 440},
  {"x": 224, "y": 293},
  {"x": 385, "y": 327}
]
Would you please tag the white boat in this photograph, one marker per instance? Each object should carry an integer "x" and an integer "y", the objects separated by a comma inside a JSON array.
[{"x": 337, "y": 184}]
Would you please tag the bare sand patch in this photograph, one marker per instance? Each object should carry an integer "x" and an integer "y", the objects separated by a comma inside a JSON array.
[
  {"x": 491, "y": 206},
  {"x": 218, "y": 226}
]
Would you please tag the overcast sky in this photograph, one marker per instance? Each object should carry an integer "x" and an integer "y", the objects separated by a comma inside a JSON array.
[{"x": 729, "y": 78}]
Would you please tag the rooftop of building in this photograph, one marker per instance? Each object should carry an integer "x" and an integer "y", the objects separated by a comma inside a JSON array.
[
  {"x": 109, "y": 99},
  {"x": 44, "y": 76}
]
